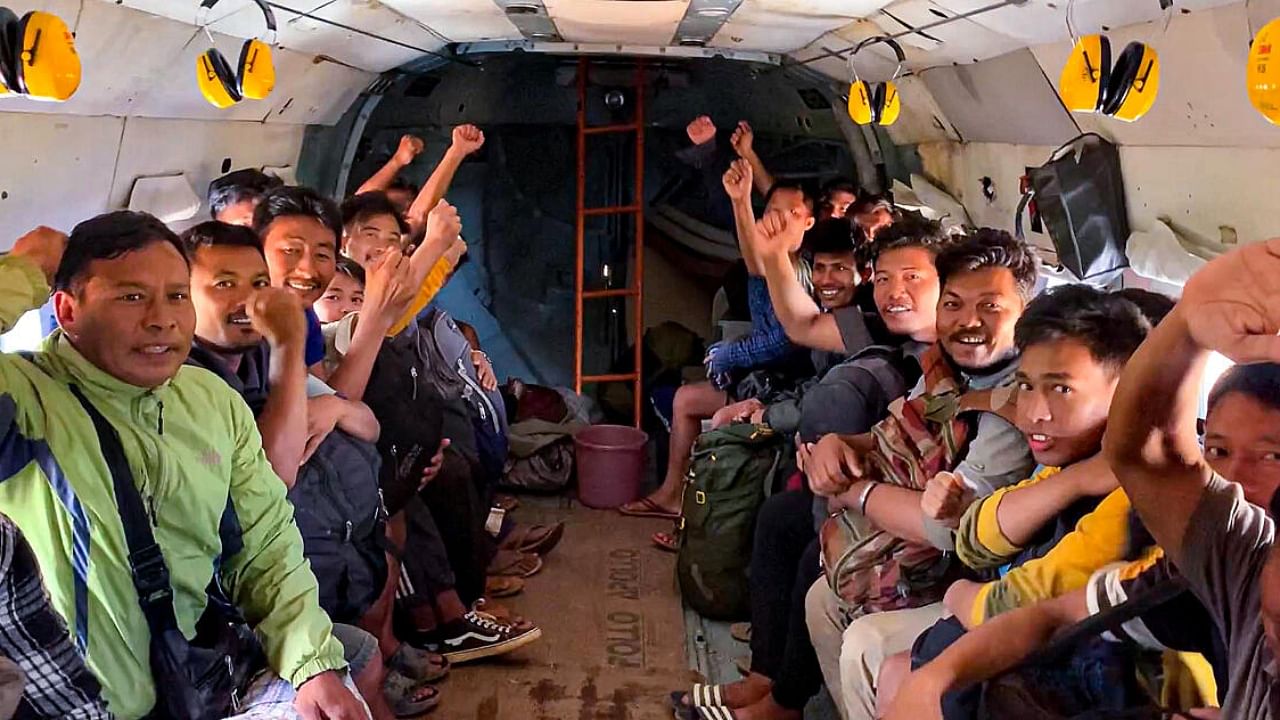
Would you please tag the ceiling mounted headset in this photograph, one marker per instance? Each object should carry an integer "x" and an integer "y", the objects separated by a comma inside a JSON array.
[
  {"x": 1262, "y": 72},
  {"x": 876, "y": 102},
  {"x": 37, "y": 56},
  {"x": 1091, "y": 83},
  {"x": 253, "y": 77}
]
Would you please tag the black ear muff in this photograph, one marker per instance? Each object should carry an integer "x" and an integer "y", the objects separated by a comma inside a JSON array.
[
  {"x": 1127, "y": 68},
  {"x": 226, "y": 76},
  {"x": 9, "y": 50},
  {"x": 877, "y": 102}
]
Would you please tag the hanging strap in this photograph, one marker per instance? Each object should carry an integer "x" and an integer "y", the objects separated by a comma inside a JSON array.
[{"x": 150, "y": 574}]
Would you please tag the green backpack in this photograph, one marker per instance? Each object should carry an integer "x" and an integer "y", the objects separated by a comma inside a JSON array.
[{"x": 732, "y": 472}]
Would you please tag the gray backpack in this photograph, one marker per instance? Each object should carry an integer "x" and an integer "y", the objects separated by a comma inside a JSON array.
[{"x": 337, "y": 507}]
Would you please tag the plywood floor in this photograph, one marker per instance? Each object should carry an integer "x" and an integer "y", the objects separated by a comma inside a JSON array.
[{"x": 613, "y": 643}]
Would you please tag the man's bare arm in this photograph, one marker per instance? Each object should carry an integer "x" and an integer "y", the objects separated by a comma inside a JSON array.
[
  {"x": 1151, "y": 442},
  {"x": 800, "y": 316},
  {"x": 1024, "y": 510},
  {"x": 466, "y": 140},
  {"x": 983, "y": 653},
  {"x": 409, "y": 149},
  {"x": 743, "y": 141},
  {"x": 276, "y": 313}
]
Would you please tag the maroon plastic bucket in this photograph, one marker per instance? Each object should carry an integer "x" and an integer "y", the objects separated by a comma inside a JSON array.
[{"x": 611, "y": 462}]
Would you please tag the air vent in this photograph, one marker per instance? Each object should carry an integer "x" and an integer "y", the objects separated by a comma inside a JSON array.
[
  {"x": 813, "y": 99},
  {"x": 422, "y": 86},
  {"x": 692, "y": 42},
  {"x": 518, "y": 9}
]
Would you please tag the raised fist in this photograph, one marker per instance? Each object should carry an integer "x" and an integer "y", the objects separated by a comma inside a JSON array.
[
  {"x": 410, "y": 147},
  {"x": 742, "y": 139},
  {"x": 737, "y": 180},
  {"x": 467, "y": 139},
  {"x": 277, "y": 314},
  {"x": 701, "y": 130},
  {"x": 43, "y": 246},
  {"x": 778, "y": 232},
  {"x": 1232, "y": 305},
  {"x": 443, "y": 225}
]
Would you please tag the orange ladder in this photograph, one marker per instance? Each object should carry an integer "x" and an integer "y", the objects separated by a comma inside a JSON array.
[{"x": 636, "y": 209}]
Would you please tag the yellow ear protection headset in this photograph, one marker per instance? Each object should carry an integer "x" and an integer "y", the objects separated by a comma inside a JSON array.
[
  {"x": 876, "y": 102},
  {"x": 1090, "y": 83},
  {"x": 1262, "y": 73},
  {"x": 37, "y": 56},
  {"x": 254, "y": 75}
]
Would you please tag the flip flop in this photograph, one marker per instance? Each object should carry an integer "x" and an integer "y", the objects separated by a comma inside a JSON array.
[
  {"x": 536, "y": 539},
  {"x": 409, "y": 698},
  {"x": 503, "y": 586},
  {"x": 418, "y": 665},
  {"x": 647, "y": 509},
  {"x": 665, "y": 541},
  {"x": 712, "y": 712},
  {"x": 517, "y": 564},
  {"x": 702, "y": 695},
  {"x": 740, "y": 631}
]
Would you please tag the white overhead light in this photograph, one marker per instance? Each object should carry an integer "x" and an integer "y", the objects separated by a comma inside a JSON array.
[{"x": 712, "y": 12}]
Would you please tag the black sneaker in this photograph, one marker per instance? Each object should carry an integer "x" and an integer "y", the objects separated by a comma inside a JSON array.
[{"x": 476, "y": 636}]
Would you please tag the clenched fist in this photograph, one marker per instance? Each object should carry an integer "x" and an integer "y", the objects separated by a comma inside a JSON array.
[
  {"x": 276, "y": 313},
  {"x": 737, "y": 180},
  {"x": 946, "y": 497},
  {"x": 467, "y": 139},
  {"x": 410, "y": 147},
  {"x": 43, "y": 246}
]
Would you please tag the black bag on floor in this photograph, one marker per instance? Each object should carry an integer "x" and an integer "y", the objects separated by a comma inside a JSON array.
[
  {"x": 733, "y": 470},
  {"x": 337, "y": 506},
  {"x": 1079, "y": 194}
]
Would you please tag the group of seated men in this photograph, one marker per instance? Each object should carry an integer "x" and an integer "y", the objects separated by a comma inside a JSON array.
[
  {"x": 253, "y": 379},
  {"x": 986, "y": 466}
]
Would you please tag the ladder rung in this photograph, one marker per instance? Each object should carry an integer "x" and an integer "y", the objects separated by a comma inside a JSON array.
[
  {"x": 615, "y": 377},
  {"x": 602, "y": 129},
  {"x": 611, "y": 210},
  {"x": 619, "y": 292}
]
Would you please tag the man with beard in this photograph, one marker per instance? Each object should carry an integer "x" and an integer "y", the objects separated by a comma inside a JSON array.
[{"x": 987, "y": 280}]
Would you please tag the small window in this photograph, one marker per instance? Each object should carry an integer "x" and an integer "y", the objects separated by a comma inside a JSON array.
[{"x": 25, "y": 335}]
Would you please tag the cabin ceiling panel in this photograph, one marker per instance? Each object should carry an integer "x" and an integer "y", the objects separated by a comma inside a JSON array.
[
  {"x": 1202, "y": 100},
  {"x": 459, "y": 20},
  {"x": 1005, "y": 99},
  {"x": 788, "y": 25},
  {"x": 242, "y": 19},
  {"x": 634, "y": 22}
]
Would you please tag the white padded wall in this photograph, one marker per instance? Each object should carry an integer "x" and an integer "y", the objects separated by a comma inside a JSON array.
[{"x": 69, "y": 168}]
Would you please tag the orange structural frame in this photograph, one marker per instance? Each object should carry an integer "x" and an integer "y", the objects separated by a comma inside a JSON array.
[{"x": 636, "y": 288}]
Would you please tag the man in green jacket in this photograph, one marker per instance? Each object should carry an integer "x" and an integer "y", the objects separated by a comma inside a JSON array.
[{"x": 122, "y": 299}]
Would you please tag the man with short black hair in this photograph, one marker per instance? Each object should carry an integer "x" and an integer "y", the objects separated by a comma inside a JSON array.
[
  {"x": 122, "y": 299},
  {"x": 233, "y": 197}
]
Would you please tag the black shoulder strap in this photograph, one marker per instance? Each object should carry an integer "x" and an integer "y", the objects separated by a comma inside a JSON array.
[
  {"x": 150, "y": 574},
  {"x": 1109, "y": 620}
]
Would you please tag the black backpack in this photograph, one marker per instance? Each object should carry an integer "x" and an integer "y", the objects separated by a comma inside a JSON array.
[
  {"x": 337, "y": 507},
  {"x": 411, "y": 413}
]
